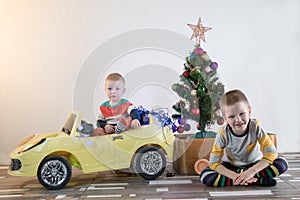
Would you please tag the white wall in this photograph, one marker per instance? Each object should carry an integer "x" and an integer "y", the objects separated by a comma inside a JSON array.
[{"x": 48, "y": 47}]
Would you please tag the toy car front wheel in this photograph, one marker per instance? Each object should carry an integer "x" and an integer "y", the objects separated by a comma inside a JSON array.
[
  {"x": 150, "y": 163},
  {"x": 54, "y": 172}
]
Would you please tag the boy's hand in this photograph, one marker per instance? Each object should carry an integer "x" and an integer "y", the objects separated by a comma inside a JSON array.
[
  {"x": 109, "y": 128},
  {"x": 244, "y": 178},
  {"x": 135, "y": 123},
  {"x": 246, "y": 182}
]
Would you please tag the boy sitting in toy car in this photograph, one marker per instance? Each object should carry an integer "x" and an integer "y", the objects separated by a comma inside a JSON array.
[{"x": 116, "y": 114}]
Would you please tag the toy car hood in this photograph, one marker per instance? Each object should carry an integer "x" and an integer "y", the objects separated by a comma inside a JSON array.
[{"x": 33, "y": 141}]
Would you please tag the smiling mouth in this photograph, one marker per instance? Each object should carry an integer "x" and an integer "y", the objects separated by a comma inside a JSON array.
[{"x": 239, "y": 125}]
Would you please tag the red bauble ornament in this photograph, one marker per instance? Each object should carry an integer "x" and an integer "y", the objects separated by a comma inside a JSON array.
[
  {"x": 220, "y": 121},
  {"x": 198, "y": 127},
  {"x": 186, "y": 73},
  {"x": 180, "y": 129},
  {"x": 195, "y": 111},
  {"x": 182, "y": 104}
]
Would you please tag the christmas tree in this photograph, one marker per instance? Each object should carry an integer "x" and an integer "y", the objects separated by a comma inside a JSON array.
[{"x": 200, "y": 89}]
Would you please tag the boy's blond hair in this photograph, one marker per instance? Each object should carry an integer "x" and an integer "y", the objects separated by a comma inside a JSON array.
[
  {"x": 115, "y": 77},
  {"x": 232, "y": 97}
]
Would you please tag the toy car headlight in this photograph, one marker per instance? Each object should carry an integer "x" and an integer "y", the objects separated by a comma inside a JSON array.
[
  {"x": 26, "y": 140},
  {"x": 31, "y": 145}
]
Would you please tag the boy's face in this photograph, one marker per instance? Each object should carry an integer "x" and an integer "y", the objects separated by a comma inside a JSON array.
[
  {"x": 237, "y": 116},
  {"x": 114, "y": 90}
]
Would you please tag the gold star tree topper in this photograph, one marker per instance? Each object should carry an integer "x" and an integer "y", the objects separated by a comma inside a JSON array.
[{"x": 198, "y": 31}]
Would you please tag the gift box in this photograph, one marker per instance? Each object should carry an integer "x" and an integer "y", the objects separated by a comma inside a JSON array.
[{"x": 188, "y": 151}]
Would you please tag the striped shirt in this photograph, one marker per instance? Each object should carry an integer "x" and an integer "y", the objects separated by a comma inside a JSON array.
[
  {"x": 252, "y": 146},
  {"x": 110, "y": 114}
]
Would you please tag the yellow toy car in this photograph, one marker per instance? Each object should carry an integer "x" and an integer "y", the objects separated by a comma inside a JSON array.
[{"x": 51, "y": 156}]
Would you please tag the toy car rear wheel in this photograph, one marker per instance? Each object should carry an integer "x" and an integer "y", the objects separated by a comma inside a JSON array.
[
  {"x": 150, "y": 163},
  {"x": 54, "y": 172}
]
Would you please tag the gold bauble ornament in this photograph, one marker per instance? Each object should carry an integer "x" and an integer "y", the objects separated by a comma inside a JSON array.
[{"x": 194, "y": 93}]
